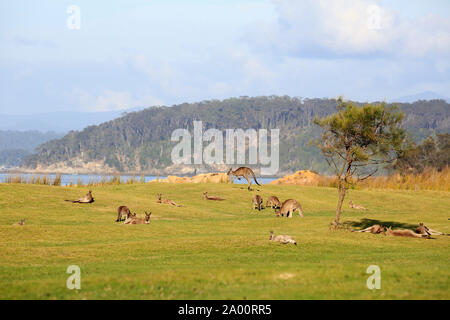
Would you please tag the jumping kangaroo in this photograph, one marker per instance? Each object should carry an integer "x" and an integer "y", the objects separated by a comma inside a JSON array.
[
  {"x": 273, "y": 202},
  {"x": 282, "y": 239},
  {"x": 424, "y": 230},
  {"x": 257, "y": 201},
  {"x": 206, "y": 197},
  {"x": 86, "y": 199},
  {"x": 166, "y": 201},
  {"x": 354, "y": 206},
  {"x": 243, "y": 172},
  {"x": 375, "y": 229},
  {"x": 20, "y": 223},
  {"x": 404, "y": 233},
  {"x": 289, "y": 207},
  {"x": 123, "y": 212},
  {"x": 135, "y": 220}
]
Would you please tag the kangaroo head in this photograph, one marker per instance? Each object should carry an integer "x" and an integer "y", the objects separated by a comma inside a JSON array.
[
  {"x": 147, "y": 215},
  {"x": 159, "y": 196},
  {"x": 229, "y": 171},
  {"x": 350, "y": 202},
  {"x": 271, "y": 235},
  {"x": 22, "y": 221}
]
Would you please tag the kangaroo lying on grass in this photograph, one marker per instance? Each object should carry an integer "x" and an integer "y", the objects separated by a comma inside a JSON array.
[
  {"x": 20, "y": 223},
  {"x": 424, "y": 230},
  {"x": 129, "y": 218},
  {"x": 354, "y": 206},
  {"x": 134, "y": 220},
  {"x": 86, "y": 199},
  {"x": 404, "y": 233},
  {"x": 273, "y": 202},
  {"x": 282, "y": 239},
  {"x": 206, "y": 197},
  {"x": 375, "y": 229},
  {"x": 257, "y": 202},
  {"x": 243, "y": 172},
  {"x": 123, "y": 212},
  {"x": 289, "y": 207},
  {"x": 166, "y": 201}
]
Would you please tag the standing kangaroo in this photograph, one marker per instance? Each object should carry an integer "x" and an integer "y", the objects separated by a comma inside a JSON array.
[
  {"x": 20, "y": 223},
  {"x": 375, "y": 229},
  {"x": 354, "y": 206},
  {"x": 289, "y": 207},
  {"x": 206, "y": 197},
  {"x": 282, "y": 239},
  {"x": 135, "y": 220},
  {"x": 424, "y": 230},
  {"x": 123, "y": 212},
  {"x": 404, "y": 233},
  {"x": 166, "y": 201},
  {"x": 86, "y": 199},
  {"x": 273, "y": 202},
  {"x": 243, "y": 172},
  {"x": 257, "y": 202}
]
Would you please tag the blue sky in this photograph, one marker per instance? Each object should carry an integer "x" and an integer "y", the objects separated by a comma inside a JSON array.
[{"x": 142, "y": 53}]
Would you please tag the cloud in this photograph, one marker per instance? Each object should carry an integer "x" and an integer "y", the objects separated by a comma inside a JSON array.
[
  {"x": 110, "y": 100},
  {"x": 349, "y": 28}
]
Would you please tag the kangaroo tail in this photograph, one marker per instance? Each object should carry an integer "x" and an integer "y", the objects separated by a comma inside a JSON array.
[
  {"x": 254, "y": 178},
  {"x": 73, "y": 201}
]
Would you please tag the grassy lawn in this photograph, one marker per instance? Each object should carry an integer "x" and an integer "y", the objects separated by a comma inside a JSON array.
[{"x": 217, "y": 250}]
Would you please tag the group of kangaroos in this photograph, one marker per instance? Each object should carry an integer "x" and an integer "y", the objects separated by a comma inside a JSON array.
[{"x": 286, "y": 208}]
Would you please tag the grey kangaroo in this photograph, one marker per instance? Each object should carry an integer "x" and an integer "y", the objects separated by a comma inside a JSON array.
[
  {"x": 166, "y": 201},
  {"x": 135, "y": 220},
  {"x": 86, "y": 199},
  {"x": 206, "y": 197},
  {"x": 273, "y": 202},
  {"x": 257, "y": 202},
  {"x": 243, "y": 172},
  {"x": 282, "y": 239},
  {"x": 20, "y": 223},
  {"x": 123, "y": 212},
  {"x": 289, "y": 207}
]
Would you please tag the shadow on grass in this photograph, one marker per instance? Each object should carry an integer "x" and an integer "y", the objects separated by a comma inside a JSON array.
[{"x": 365, "y": 223}]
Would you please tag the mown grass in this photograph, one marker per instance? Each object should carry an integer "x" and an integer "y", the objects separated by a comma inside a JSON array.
[{"x": 217, "y": 250}]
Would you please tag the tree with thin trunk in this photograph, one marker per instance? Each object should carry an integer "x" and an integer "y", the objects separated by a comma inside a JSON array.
[{"x": 357, "y": 140}]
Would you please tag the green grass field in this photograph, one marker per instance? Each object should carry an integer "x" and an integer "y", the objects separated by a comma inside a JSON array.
[{"x": 217, "y": 250}]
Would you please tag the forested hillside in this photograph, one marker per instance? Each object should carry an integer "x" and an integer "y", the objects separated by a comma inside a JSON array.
[
  {"x": 140, "y": 141},
  {"x": 16, "y": 145}
]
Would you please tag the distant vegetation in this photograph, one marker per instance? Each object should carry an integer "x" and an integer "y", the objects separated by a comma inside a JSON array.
[
  {"x": 140, "y": 141},
  {"x": 16, "y": 145}
]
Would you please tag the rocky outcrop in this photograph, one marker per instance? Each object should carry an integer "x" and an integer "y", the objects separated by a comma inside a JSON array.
[
  {"x": 302, "y": 177},
  {"x": 200, "y": 178}
]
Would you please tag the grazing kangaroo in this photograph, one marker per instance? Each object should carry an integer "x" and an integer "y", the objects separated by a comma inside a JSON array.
[
  {"x": 375, "y": 229},
  {"x": 243, "y": 172},
  {"x": 282, "y": 239},
  {"x": 354, "y": 206},
  {"x": 273, "y": 202},
  {"x": 404, "y": 233},
  {"x": 166, "y": 201},
  {"x": 216, "y": 198},
  {"x": 135, "y": 220},
  {"x": 123, "y": 212},
  {"x": 424, "y": 230},
  {"x": 257, "y": 201},
  {"x": 86, "y": 199},
  {"x": 289, "y": 207},
  {"x": 20, "y": 223}
]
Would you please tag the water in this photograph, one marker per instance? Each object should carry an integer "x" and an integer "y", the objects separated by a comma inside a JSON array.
[{"x": 67, "y": 179}]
